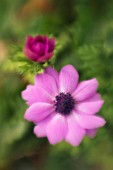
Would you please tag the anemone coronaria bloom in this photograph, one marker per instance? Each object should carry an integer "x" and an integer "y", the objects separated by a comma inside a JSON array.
[{"x": 61, "y": 108}]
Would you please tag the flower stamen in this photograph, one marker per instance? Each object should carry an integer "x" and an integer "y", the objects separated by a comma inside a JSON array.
[{"x": 64, "y": 103}]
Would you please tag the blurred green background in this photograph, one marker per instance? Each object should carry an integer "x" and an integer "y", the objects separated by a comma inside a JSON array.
[{"x": 85, "y": 30}]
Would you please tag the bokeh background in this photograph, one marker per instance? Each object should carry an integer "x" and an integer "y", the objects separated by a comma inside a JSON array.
[{"x": 84, "y": 29}]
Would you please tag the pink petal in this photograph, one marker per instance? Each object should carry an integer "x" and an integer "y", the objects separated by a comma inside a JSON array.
[
  {"x": 85, "y": 89},
  {"x": 68, "y": 79},
  {"x": 40, "y": 129},
  {"x": 75, "y": 132},
  {"x": 52, "y": 72},
  {"x": 91, "y": 105},
  {"x": 38, "y": 111},
  {"x": 89, "y": 121},
  {"x": 56, "y": 129},
  {"x": 91, "y": 132},
  {"x": 34, "y": 94},
  {"x": 47, "y": 82}
]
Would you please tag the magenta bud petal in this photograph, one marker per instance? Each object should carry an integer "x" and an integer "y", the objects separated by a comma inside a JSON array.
[
  {"x": 51, "y": 44},
  {"x": 39, "y": 48}
]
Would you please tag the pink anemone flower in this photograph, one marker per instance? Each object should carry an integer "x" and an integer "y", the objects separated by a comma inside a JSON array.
[{"x": 61, "y": 108}]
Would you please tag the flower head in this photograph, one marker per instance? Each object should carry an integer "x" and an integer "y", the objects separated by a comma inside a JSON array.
[
  {"x": 39, "y": 48},
  {"x": 61, "y": 108}
]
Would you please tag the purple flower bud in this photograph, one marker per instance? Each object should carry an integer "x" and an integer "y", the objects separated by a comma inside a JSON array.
[{"x": 39, "y": 48}]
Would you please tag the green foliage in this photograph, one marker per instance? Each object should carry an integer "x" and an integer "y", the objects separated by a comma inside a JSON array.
[
  {"x": 24, "y": 65},
  {"x": 21, "y": 64}
]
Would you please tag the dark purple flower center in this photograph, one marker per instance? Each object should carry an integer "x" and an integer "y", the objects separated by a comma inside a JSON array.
[{"x": 64, "y": 103}]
